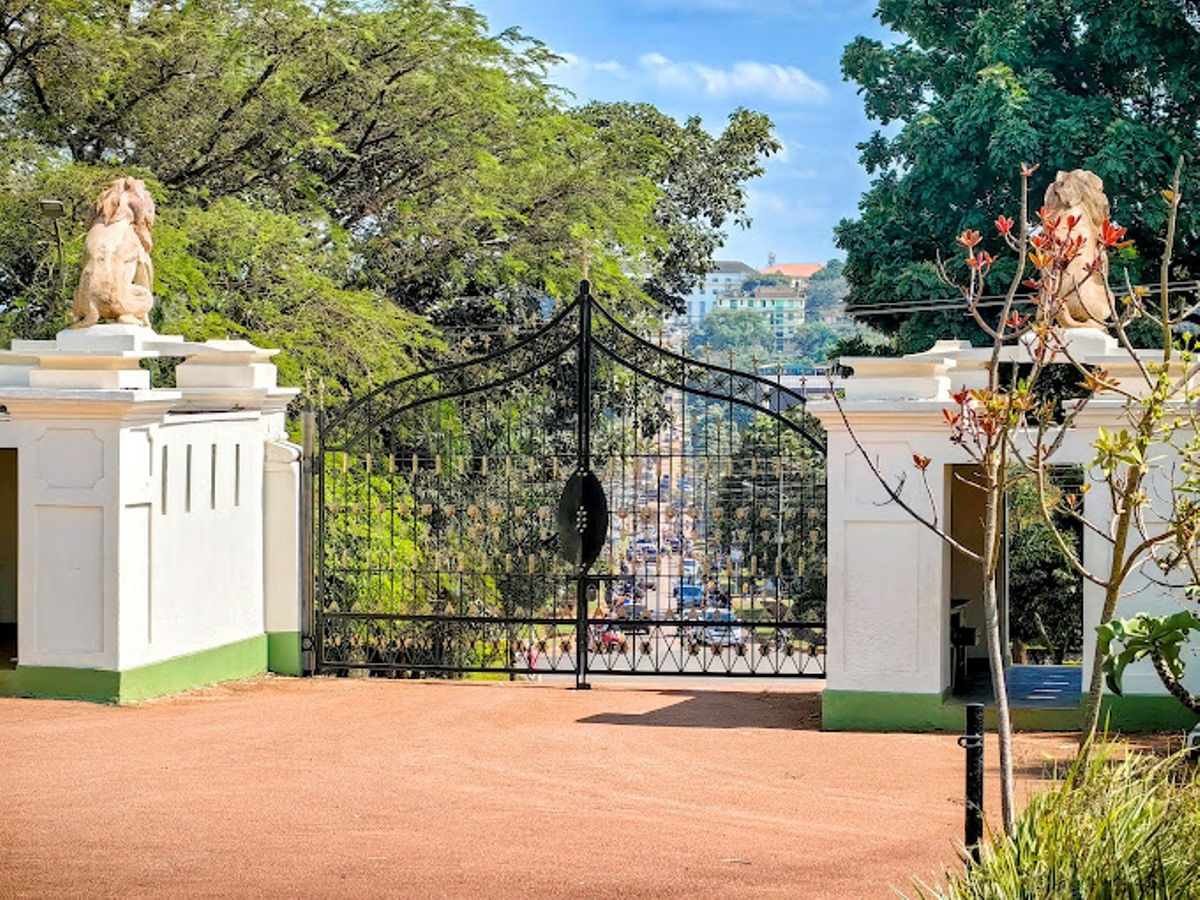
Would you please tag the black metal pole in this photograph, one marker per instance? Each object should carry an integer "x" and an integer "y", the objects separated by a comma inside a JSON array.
[
  {"x": 581, "y": 633},
  {"x": 972, "y": 742},
  {"x": 308, "y": 583},
  {"x": 583, "y": 454},
  {"x": 584, "y": 386}
]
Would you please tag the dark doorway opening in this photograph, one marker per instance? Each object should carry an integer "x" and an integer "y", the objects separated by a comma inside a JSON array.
[{"x": 8, "y": 559}]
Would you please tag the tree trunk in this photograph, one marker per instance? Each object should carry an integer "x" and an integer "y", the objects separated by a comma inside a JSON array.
[
  {"x": 1171, "y": 683},
  {"x": 991, "y": 610},
  {"x": 1112, "y": 593},
  {"x": 1091, "y": 714},
  {"x": 1020, "y": 653}
]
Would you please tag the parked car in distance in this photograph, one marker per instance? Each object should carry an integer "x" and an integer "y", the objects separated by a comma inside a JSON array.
[
  {"x": 721, "y": 629},
  {"x": 688, "y": 594},
  {"x": 691, "y": 568},
  {"x": 717, "y": 597},
  {"x": 648, "y": 552}
]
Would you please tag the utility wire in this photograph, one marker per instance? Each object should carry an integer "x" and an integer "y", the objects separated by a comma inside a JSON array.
[{"x": 950, "y": 304}]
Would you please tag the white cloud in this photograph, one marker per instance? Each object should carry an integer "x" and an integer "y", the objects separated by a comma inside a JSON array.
[
  {"x": 786, "y": 84},
  {"x": 583, "y": 64},
  {"x": 778, "y": 206},
  {"x": 759, "y": 202},
  {"x": 576, "y": 73}
]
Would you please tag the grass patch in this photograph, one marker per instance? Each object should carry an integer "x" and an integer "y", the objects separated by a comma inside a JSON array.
[{"x": 1113, "y": 828}]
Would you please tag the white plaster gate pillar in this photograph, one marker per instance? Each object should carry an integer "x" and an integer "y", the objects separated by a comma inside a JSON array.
[
  {"x": 144, "y": 515},
  {"x": 891, "y": 581}
]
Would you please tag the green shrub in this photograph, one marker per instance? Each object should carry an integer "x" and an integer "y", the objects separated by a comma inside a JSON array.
[{"x": 1110, "y": 829}]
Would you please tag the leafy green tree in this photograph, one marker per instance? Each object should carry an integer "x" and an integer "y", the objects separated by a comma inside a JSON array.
[
  {"x": 866, "y": 343},
  {"x": 769, "y": 516},
  {"x": 978, "y": 85},
  {"x": 437, "y": 155},
  {"x": 743, "y": 332},
  {"x": 701, "y": 179},
  {"x": 771, "y": 279},
  {"x": 1044, "y": 591},
  {"x": 826, "y": 288},
  {"x": 814, "y": 344}
]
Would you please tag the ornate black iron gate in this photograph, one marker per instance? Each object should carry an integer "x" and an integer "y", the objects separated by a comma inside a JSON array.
[{"x": 583, "y": 500}]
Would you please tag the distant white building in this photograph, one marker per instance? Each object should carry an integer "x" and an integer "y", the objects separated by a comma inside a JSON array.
[
  {"x": 782, "y": 308},
  {"x": 725, "y": 275}
]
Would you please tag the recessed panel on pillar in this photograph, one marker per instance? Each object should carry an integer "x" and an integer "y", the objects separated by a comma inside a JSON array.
[
  {"x": 70, "y": 579},
  {"x": 882, "y": 598},
  {"x": 70, "y": 458}
]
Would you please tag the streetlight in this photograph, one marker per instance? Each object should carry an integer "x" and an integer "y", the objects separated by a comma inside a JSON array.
[{"x": 55, "y": 210}]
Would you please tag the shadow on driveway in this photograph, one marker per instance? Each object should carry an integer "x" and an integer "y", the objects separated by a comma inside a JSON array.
[{"x": 724, "y": 709}]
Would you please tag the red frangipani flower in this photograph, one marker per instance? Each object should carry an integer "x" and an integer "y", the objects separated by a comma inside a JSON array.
[
  {"x": 1110, "y": 235},
  {"x": 1015, "y": 321},
  {"x": 980, "y": 260},
  {"x": 1004, "y": 224}
]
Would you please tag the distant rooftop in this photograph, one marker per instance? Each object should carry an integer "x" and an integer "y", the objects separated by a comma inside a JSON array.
[
  {"x": 795, "y": 270},
  {"x": 732, "y": 267}
]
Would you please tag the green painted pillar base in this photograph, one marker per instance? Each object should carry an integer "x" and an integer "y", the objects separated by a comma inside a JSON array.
[
  {"x": 886, "y": 711},
  {"x": 283, "y": 653},
  {"x": 242, "y": 659},
  {"x": 1135, "y": 712}
]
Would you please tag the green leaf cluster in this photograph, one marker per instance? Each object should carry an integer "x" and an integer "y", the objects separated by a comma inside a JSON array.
[
  {"x": 741, "y": 332},
  {"x": 1144, "y": 635},
  {"x": 1045, "y": 596}
]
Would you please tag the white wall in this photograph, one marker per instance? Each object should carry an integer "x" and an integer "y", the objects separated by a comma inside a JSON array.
[
  {"x": 282, "y": 524},
  {"x": 199, "y": 506},
  {"x": 141, "y": 511},
  {"x": 889, "y": 576}
]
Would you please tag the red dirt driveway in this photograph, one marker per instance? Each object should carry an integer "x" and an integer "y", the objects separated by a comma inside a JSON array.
[{"x": 351, "y": 788}]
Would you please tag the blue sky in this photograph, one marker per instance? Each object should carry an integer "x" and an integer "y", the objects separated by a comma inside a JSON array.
[{"x": 706, "y": 58}]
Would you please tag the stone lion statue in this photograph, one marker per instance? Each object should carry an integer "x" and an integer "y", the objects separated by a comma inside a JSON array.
[
  {"x": 117, "y": 278},
  {"x": 1084, "y": 296}
]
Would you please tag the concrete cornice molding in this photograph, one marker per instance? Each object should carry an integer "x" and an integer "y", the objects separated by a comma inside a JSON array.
[
  {"x": 218, "y": 399},
  {"x": 123, "y": 405},
  {"x": 196, "y": 401},
  {"x": 277, "y": 399},
  {"x": 903, "y": 417}
]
